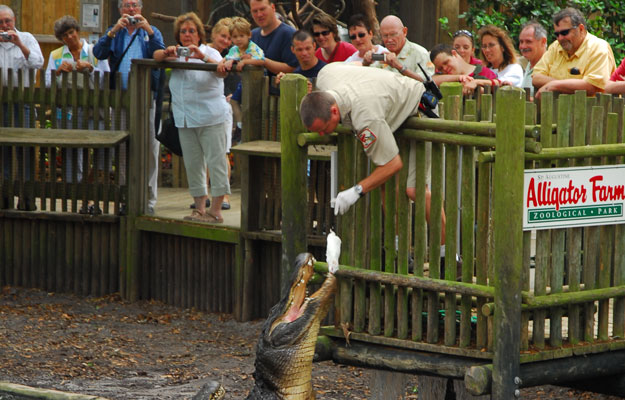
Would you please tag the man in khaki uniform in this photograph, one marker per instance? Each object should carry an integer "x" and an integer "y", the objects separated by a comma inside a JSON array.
[{"x": 373, "y": 103}]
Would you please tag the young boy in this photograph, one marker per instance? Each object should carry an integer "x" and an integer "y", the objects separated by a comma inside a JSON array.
[{"x": 244, "y": 49}]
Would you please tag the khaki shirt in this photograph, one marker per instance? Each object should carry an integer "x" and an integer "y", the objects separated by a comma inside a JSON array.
[
  {"x": 373, "y": 103},
  {"x": 594, "y": 60}
]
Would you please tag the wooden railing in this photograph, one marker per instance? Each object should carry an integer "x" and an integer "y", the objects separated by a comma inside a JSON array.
[
  {"x": 393, "y": 290},
  {"x": 65, "y": 147}
]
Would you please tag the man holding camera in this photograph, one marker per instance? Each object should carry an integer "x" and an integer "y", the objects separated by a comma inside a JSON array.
[
  {"x": 404, "y": 56},
  {"x": 373, "y": 103},
  {"x": 133, "y": 37},
  {"x": 18, "y": 50}
]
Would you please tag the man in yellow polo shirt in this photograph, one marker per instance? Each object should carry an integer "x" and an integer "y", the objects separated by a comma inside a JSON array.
[{"x": 578, "y": 60}]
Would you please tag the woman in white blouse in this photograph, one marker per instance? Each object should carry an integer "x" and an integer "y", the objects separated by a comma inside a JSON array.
[
  {"x": 500, "y": 55},
  {"x": 200, "y": 109}
]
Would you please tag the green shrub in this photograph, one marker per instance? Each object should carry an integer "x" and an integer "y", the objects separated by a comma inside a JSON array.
[{"x": 604, "y": 17}]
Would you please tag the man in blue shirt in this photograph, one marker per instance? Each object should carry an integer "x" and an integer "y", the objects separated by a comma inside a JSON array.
[
  {"x": 274, "y": 37},
  {"x": 133, "y": 37},
  {"x": 304, "y": 47}
]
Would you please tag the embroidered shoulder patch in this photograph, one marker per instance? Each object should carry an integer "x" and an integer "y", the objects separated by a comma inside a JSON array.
[{"x": 367, "y": 138}]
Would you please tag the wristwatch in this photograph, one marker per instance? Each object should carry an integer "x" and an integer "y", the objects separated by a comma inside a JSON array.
[
  {"x": 358, "y": 189},
  {"x": 403, "y": 69}
]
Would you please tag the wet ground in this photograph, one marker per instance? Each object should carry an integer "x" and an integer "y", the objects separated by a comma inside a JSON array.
[{"x": 147, "y": 350}]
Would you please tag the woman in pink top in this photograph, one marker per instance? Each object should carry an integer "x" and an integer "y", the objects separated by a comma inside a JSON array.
[
  {"x": 330, "y": 46},
  {"x": 465, "y": 46}
]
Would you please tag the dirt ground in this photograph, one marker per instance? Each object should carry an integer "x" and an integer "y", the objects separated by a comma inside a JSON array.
[{"x": 147, "y": 350}]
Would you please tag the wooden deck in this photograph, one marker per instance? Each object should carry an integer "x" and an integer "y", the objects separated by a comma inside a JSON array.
[{"x": 174, "y": 203}]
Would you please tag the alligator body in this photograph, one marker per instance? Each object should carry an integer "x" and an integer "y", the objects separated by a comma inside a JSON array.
[{"x": 286, "y": 347}]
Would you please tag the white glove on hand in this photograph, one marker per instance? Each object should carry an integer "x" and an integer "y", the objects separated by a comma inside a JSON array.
[
  {"x": 344, "y": 200},
  {"x": 333, "y": 252}
]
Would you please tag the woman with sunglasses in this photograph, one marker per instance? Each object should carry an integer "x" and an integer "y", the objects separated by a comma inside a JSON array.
[
  {"x": 330, "y": 46},
  {"x": 500, "y": 55},
  {"x": 361, "y": 35},
  {"x": 464, "y": 45}
]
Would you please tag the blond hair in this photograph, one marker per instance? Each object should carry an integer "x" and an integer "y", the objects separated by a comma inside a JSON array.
[{"x": 241, "y": 25}]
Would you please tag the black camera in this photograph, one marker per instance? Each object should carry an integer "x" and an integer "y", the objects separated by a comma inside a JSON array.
[
  {"x": 431, "y": 96},
  {"x": 183, "y": 51},
  {"x": 5, "y": 36},
  {"x": 378, "y": 57},
  {"x": 132, "y": 20}
]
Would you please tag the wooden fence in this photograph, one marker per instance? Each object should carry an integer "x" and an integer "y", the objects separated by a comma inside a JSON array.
[{"x": 393, "y": 292}]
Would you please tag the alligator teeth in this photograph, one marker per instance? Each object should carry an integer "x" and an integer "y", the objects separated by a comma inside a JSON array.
[{"x": 302, "y": 281}]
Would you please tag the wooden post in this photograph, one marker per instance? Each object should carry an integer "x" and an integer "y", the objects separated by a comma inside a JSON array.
[
  {"x": 508, "y": 238},
  {"x": 251, "y": 101},
  {"x": 139, "y": 84},
  {"x": 293, "y": 173}
]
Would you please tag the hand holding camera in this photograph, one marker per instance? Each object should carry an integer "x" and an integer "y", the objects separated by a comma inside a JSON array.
[
  {"x": 378, "y": 57},
  {"x": 182, "y": 51},
  {"x": 5, "y": 36}
]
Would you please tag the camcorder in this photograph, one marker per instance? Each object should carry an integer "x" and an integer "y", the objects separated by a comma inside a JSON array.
[
  {"x": 132, "y": 20},
  {"x": 378, "y": 57},
  {"x": 5, "y": 36},
  {"x": 431, "y": 96},
  {"x": 183, "y": 51}
]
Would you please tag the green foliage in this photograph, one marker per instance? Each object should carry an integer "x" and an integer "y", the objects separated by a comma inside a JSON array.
[{"x": 604, "y": 17}]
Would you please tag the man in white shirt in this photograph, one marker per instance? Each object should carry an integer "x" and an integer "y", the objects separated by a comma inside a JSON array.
[{"x": 18, "y": 50}]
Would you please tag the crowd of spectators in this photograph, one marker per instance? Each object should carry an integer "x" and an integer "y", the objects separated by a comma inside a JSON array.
[{"x": 204, "y": 113}]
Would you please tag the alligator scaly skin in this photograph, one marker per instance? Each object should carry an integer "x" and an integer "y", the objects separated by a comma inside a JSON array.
[{"x": 285, "y": 350}]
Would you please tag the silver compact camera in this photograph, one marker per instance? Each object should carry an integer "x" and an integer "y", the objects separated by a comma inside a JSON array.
[
  {"x": 183, "y": 51},
  {"x": 5, "y": 36},
  {"x": 378, "y": 57},
  {"x": 132, "y": 20}
]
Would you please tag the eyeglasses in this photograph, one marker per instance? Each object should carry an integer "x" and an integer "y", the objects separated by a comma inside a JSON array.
[
  {"x": 132, "y": 5},
  {"x": 359, "y": 34},
  {"x": 390, "y": 35},
  {"x": 6, "y": 21},
  {"x": 490, "y": 45},
  {"x": 191, "y": 31},
  {"x": 324, "y": 33},
  {"x": 463, "y": 32},
  {"x": 564, "y": 32}
]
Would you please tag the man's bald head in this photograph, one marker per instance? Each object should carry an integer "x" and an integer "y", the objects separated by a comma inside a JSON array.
[
  {"x": 393, "y": 33},
  {"x": 391, "y": 21}
]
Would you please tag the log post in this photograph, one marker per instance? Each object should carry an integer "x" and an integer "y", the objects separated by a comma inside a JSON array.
[
  {"x": 251, "y": 107},
  {"x": 293, "y": 173},
  {"x": 139, "y": 84},
  {"x": 508, "y": 240}
]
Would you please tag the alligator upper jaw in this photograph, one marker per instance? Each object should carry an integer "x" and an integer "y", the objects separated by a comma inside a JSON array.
[{"x": 299, "y": 299}]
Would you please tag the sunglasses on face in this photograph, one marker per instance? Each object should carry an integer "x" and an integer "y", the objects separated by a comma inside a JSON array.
[
  {"x": 324, "y": 33},
  {"x": 359, "y": 34},
  {"x": 563, "y": 32}
]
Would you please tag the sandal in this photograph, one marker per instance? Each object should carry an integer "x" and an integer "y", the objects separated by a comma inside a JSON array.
[
  {"x": 225, "y": 205},
  {"x": 203, "y": 217}
]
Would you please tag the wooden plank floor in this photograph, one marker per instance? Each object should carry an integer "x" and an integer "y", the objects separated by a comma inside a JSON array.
[{"x": 174, "y": 203}]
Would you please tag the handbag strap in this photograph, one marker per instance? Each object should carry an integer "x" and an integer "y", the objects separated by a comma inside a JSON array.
[{"x": 119, "y": 61}]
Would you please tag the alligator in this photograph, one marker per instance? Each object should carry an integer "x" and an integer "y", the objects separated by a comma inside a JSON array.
[
  {"x": 285, "y": 350},
  {"x": 286, "y": 347}
]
